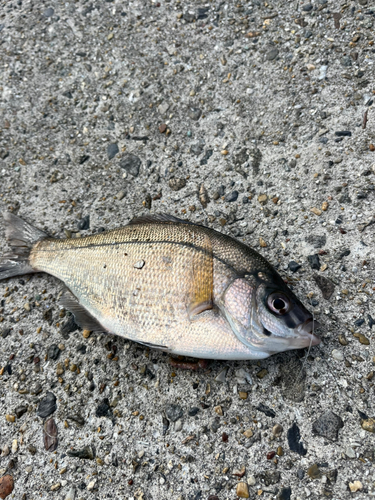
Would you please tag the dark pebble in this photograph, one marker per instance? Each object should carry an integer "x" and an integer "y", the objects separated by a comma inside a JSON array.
[
  {"x": 50, "y": 435},
  {"x": 165, "y": 425},
  {"x": 359, "y": 322},
  {"x": 326, "y": 286},
  {"x": 245, "y": 200},
  {"x": 131, "y": 164},
  {"x": 215, "y": 424},
  {"x": 47, "y": 406},
  {"x": 272, "y": 54},
  {"x": 5, "y": 333},
  {"x": 82, "y": 349},
  {"x": 266, "y": 410},
  {"x": 103, "y": 409},
  {"x": 314, "y": 261},
  {"x": 300, "y": 473},
  {"x": 193, "y": 411},
  {"x": 346, "y": 61},
  {"x": 307, "y": 7},
  {"x": 87, "y": 452},
  {"x": 270, "y": 455},
  {"x": 20, "y": 410},
  {"x": 177, "y": 183},
  {"x": 48, "y": 12},
  {"x": 83, "y": 158},
  {"x": 224, "y": 437},
  {"x": 343, "y": 253},
  {"x": 371, "y": 321},
  {"x": 173, "y": 412},
  {"x": 270, "y": 477},
  {"x": 294, "y": 436},
  {"x": 32, "y": 450},
  {"x": 78, "y": 419},
  {"x": 69, "y": 326},
  {"x": 284, "y": 493},
  {"x": 343, "y": 133},
  {"x": 328, "y": 425},
  {"x": 195, "y": 113},
  {"x": 112, "y": 150},
  {"x": 231, "y": 196},
  {"x": 53, "y": 352},
  {"x": 84, "y": 223},
  {"x": 293, "y": 266}
]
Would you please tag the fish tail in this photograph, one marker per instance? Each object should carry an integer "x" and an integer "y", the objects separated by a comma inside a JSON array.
[{"x": 21, "y": 237}]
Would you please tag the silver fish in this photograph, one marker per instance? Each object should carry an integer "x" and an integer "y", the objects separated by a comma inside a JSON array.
[{"x": 168, "y": 284}]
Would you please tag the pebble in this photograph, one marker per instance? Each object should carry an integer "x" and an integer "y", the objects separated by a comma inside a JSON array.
[
  {"x": 314, "y": 472},
  {"x": 328, "y": 425},
  {"x": 316, "y": 211},
  {"x": 131, "y": 164},
  {"x": 50, "y": 435},
  {"x": 71, "y": 494},
  {"x": 120, "y": 195},
  {"x": 230, "y": 197},
  {"x": 248, "y": 433},
  {"x": 55, "y": 486},
  {"x": 277, "y": 430},
  {"x": 326, "y": 286},
  {"x": 173, "y": 412},
  {"x": 222, "y": 377},
  {"x": 49, "y": 12},
  {"x": 294, "y": 436},
  {"x": 139, "y": 264},
  {"x": 84, "y": 223},
  {"x": 314, "y": 261},
  {"x": 177, "y": 183},
  {"x": 5, "y": 451},
  {"x": 368, "y": 424},
  {"x": 338, "y": 355},
  {"x": 112, "y": 150},
  {"x": 272, "y": 54},
  {"x": 294, "y": 266},
  {"x": 262, "y": 198},
  {"x": 85, "y": 453},
  {"x": 53, "y": 352},
  {"x": 14, "y": 446},
  {"x": 242, "y": 490},
  {"x": 284, "y": 493},
  {"x": 194, "y": 113},
  {"x": 349, "y": 452},
  {"x": 47, "y": 406},
  {"x": 6, "y": 486},
  {"x": 355, "y": 486},
  {"x": 263, "y": 244}
]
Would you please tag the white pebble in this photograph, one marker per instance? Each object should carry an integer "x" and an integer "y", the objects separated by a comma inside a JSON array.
[
  {"x": 14, "y": 445},
  {"x": 338, "y": 355}
]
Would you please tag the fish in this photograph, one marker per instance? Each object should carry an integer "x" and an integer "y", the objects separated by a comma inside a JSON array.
[{"x": 168, "y": 284}]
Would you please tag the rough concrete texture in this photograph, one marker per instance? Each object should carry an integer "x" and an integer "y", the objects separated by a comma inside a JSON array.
[{"x": 111, "y": 109}]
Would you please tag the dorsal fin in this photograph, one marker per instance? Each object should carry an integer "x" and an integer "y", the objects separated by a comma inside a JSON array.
[{"x": 157, "y": 218}]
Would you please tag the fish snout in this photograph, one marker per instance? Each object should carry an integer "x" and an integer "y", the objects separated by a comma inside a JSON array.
[{"x": 307, "y": 329}]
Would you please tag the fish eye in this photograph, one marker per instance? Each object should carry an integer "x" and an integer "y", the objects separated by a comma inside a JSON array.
[{"x": 278, "y": 303}]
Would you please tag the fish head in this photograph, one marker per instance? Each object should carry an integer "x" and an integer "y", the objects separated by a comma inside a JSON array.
[{"x": 266, "y": 316}]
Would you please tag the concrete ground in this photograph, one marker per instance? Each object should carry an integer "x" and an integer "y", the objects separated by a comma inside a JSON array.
[{"x": 253, "y": 118}]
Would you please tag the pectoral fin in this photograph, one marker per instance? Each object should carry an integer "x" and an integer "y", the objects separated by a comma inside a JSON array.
[{"x": 82, "y": 317}]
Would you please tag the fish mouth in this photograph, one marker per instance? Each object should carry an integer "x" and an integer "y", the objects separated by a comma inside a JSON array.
[{"x": 306, "y": 330}]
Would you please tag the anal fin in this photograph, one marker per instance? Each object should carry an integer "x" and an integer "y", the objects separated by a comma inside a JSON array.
[{"x": 82, "y": 317}]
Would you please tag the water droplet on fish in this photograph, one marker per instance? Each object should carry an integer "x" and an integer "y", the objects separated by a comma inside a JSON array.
[{"x": 139, "y": 264}]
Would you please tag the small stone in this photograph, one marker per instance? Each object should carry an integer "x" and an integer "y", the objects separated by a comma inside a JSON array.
[
  {"x": 262, "y": 198},
  {"x": 349, "y": 452},
  {"x": 248, "y": 433},
  {"x": 47, "y": 406},
  {"x": 243, "y": 395},
  {"x": 272, "y": 54},
  {"x": 346, "y": 61},
  {"x": 230, "y": 197},
  {"x": 14, "y": 446},
  {"x": 294, "y": 436},
  {"x": 316, "y": 211},
  {"x": 10, "y": 418},
  {"x": 140, "y": 264},
  {"x": 219, "y": 410},
  {"x": 112, "y": 150},
  {"x": 342, "y": 339},
  {"x": 131, "y": 164},
  {"x": 338, "y": 355},
  {"x": 50, "y": 435},
  {"x": 222, "y": 376},
  {"x": 85, "y": 453},
  {"x": 356, "y": 486},
  {"x": 173, "y": 412},
  {"x": 162, "y": 128},
  {"x": 277, "y": 430},
  {"x": 343, "y": 133},
  {"x": 48, "y": 12},
  {"x": 314, "y": 472},
  {"x": 203, "y": 196},
  {"x": 6, "y": 486},
  {"x": 242, "y": 490},
  {"x": 195, "y": 113},
  {"x": 53, "y": 352},
  {"x": 120, "y": 195},
  {"x": 328, "y": 425},
  {"x": 326, "y": 286},
  {"x": 284, "y": 493},
  {"x": 84, "y": 223},
  {"x": 293, "y": 266},
  {"x": 262, "y": 243},
  {"x": 314, "y": 261},
  {"x": 71, "y": 494},
  {"x": 368, "y": 425},
  {"x": 55, "y": 486},
  {"x": 280, "y": 451},
  {"x": 262, "y": 373},
  {"x": 307, "y": 7},
  {"x": 325, "y": 206},
  {"x": 177, "y": 183}
]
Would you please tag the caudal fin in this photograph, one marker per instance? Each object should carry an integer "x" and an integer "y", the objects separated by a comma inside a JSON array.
[{"x": 21, "y": 237}]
